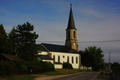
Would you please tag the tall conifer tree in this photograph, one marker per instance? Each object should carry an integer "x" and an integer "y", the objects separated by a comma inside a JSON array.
[
  {"x": 12, "y": 41},
  {"x": 3, "y": 40},
  {"x": 25, "y": 41}
]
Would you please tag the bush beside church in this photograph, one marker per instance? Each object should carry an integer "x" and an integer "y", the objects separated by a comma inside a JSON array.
[
  {"x": 67, "y": 66},
  {"x": 10, "y": 68}
]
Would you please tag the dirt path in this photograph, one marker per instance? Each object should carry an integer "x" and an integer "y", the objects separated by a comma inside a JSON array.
[
  {"x": 77, "y": 76},
  {"x": 49, "y": 77}
]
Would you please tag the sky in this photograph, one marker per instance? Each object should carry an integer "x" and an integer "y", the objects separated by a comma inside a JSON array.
[{"x": 95, "y": 20}]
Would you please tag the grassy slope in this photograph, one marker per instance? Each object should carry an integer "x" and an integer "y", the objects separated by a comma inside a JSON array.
[
  {"x": 103, "y": 76},
  {"x": 31, "y": 77},
  {"x": 61, "y": 72},
  {"x": 18, "y": 77}
]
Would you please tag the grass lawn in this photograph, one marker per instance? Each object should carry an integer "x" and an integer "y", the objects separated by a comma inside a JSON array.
[
  {"x": 103, "y": 76},
  {"x": 62, "y": 72},
  {"x": 18, "y": 77},
  {"x": 32, "y": 76}
]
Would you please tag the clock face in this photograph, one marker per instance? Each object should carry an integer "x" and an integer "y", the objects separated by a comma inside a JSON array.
[{"x": 74, "y": 44}]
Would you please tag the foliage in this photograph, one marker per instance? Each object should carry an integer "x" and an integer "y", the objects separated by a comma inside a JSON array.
[
  {"x": 116, "y": 68},
  {"x": 83, "y": 58},
  {"x": 93, "y": 57},
  {"x": 4, "y": 42},
  {"x": 39, "y": 66},
  {"x": 103, "y": 76},
  {"x": 67, "y": 66},
  {"x": 6, "y": 68},
  {"x": 48, "y": 66},
  {"x": 18, "y": 77},
  {"x": 32, "y": 77},
  {"x": 12, "y": 40},
  {"x": 10, "y": 68},
  {"x": 23, "y": 41}
]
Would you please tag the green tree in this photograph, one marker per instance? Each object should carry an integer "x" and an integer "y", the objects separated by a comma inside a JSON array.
[
  {"x": 93, "y": 57},
  {"x": 83, "y": 58},
  {"x": 25, "y": 40},
  {"x": 116, "y": 68},
  {"x": 12, "y": 41},
  {"x": 3, "y": 40}
]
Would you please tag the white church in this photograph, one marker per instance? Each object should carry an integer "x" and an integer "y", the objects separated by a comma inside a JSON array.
[{"x": 59, "y": 54}]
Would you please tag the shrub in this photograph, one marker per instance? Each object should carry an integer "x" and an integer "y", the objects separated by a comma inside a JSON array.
[
  {"x": 9, "y": 68},
  {"x": 6, "y": 68},
  {"x": 39, "y": 66},
  {"x": 21, "y": 67},
  {"x": 48, "y": 66},
  {"x": 67, "y": 66},
  {"x": 116, "y": 68}
]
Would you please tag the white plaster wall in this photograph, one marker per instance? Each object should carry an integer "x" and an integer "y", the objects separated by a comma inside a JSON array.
[
  {"x": 43, "y": 53},
  {"x": 58, "y": 66},
  {"x": 49, "y": 61},
  {"x": 64, "y": 59}
]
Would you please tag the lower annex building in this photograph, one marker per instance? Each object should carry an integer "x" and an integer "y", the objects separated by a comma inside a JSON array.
[{"x": 59, "y": 54}]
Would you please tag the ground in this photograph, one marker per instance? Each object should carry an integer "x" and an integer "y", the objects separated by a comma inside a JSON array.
[
  {"x": 60, "y": 75},
  {"x": 76, "y": 76}
]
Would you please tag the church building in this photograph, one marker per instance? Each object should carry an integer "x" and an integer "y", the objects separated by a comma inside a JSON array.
[{"x": 59, "y": 54}]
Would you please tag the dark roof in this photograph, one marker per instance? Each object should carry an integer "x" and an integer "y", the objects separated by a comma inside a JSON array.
[
  {"x": 54, "y": 48},
  {"x": 11, "y": 57},
  {"x": 41, "y": 47},
  {"x": 45, "y": 57},
  {"x": 71, "y": 24}
]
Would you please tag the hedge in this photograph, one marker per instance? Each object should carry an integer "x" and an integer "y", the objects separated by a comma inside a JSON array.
[
  {"x": 67, "y": 66},
  {"x": 9, "y": 68}
]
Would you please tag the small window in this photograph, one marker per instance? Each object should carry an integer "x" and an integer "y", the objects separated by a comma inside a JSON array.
[
  {"x": 76, "y": 60},
  {"x": 72, "y": 60},
  {"x": 58, "y": 58}
]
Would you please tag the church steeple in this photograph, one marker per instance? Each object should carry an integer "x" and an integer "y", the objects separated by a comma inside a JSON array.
[
  {"x": 71, "y": 33},
  {"x": 71, "y": 24}
]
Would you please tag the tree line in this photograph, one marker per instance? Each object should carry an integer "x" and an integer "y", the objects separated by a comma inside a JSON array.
[
  {"x": 21, "y": 41},
  {"x": 92, "y": 57}
]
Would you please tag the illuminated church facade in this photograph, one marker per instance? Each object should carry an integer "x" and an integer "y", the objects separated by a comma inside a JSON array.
[{"x": 59, "y": 54}]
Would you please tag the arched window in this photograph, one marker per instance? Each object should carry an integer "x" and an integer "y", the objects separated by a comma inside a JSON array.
[
  {"x": 76, "y": 60},
  {"x": 74, "y": 34},
  {"x": 68, "y": 59},
  {"x": 58, "y": 58},
  {"x": 54, "y": 58},
  {"x": 72, "y": 60}
]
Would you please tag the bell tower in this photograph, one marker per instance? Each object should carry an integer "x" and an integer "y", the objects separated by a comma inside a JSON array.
[{"x": 71, "y": 33}]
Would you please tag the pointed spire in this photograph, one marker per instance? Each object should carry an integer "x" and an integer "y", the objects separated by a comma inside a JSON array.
[
  {"x": 71, "y": 24},
  {"x": 70, "y": 5}
]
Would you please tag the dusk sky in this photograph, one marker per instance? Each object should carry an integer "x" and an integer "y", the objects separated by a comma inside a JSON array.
[{"x": 95, "y": 20}]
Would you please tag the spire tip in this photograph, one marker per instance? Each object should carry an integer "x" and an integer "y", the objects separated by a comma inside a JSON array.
[{"x": 70, "y": 5}]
